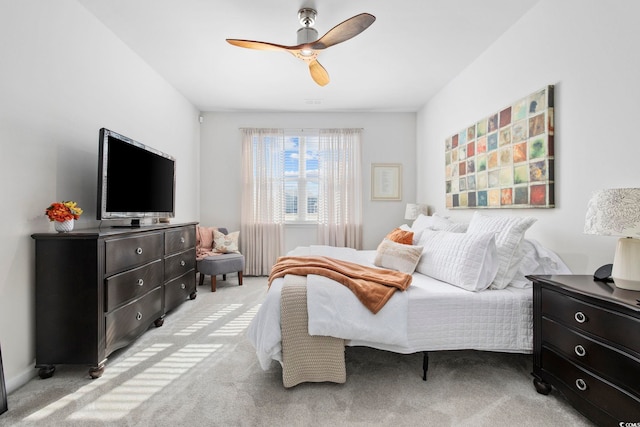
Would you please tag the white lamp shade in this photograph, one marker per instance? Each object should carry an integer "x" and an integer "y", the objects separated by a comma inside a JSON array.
[
  {"x": 616, "y": 212},
  {"x": 413, "y": 210}
]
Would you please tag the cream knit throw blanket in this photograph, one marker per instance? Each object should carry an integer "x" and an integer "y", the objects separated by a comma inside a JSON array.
[{"x": 306, "y": 358}]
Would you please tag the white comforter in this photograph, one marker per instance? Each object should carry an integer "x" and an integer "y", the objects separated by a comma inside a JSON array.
[
  {"x": 430, "y": 315},
  {"x": 333, "y": 310}
]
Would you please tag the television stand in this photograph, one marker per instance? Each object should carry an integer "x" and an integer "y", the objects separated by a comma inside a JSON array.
[{"x": 98, "y": 290}]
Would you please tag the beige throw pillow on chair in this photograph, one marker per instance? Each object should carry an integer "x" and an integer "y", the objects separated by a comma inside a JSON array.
[{"x": 225, "y": 243}]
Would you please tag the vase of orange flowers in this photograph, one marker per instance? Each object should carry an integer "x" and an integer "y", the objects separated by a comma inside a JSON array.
[{"x": 62, "y": 214}]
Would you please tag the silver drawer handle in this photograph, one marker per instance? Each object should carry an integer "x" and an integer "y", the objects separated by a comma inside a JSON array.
[
  {"x": 140, "y": 282},
  {"x": 138, "y": 316},
  {"x": 582, "y": 386},
  {"x": 580, "y": 351},
  {"x": 139, "y": 251},
  {"x": 182, "y": 240},
  {"x": 182, "y": 263},
  {"x": 580, "y": 317},
  {"x": 182, "y": 286}
]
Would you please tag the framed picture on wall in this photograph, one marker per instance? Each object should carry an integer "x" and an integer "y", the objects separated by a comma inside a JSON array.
[
  {"x": 505, "y": 160},
  {"x": 386, "y": 181}
]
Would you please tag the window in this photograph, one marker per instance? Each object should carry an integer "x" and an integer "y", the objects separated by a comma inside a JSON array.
[{"x": 301, "y": 176}]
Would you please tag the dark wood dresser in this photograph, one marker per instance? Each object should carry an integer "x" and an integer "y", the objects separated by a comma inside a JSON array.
[
  {"x": 97, "y": 290},
  {"x": 586, "y": 339}
]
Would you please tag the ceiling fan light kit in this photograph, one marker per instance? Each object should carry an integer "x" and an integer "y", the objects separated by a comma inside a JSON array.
[
  {"x": 309, "y": 44},
  {"x": 307, "y": 35}
]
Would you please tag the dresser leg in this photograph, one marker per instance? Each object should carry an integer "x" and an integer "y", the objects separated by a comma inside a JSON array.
[
  {"x": 96, "y": 371},
  {"x": 46, "y": 371},
  {"x": 541, "y": 386}
]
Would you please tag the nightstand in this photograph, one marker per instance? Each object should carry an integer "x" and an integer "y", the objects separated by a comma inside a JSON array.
[{"x": 586, "y": 343}]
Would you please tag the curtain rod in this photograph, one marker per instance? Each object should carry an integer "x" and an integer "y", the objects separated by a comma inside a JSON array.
[{"x": 299, "y": 129}]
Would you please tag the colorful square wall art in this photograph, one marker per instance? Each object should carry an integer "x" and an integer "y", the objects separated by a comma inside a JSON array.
[{"x": 504, "y": 160}]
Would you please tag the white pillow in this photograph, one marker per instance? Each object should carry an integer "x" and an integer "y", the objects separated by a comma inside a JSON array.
[
  {"x": 436, "y": 222},
  {"x": 397, "y": 256},
  {"x": 440, "y": 216},
  {"x": 456, "y": 227},
  {"x": 423, "y": 221},
  {"x": 537, "y": 260},
  {"x": 509, "y": 233},
  {"x": 468, "y": 261}
]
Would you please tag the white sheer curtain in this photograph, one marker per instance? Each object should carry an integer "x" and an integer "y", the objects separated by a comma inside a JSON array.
[
  {"x": 340, "y": 188},
  {"x": 262, "y": 217}
]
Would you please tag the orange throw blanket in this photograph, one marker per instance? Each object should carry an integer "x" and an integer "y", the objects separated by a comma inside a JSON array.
[{"x": 372, "y": 286}]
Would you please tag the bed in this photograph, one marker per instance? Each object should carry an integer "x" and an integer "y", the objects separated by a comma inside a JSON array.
[{"x": 458, "y": 298}]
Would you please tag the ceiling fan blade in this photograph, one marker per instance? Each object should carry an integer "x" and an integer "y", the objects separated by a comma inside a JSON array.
[
  {"x": 252, "y": 44},
  {"x": 318, "y": 73},
  {"x": 344, "y": 31}
]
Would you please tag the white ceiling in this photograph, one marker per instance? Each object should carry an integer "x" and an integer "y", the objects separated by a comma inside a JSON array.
[{"x": 413, "y": 49}]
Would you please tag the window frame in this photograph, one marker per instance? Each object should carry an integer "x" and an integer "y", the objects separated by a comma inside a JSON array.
[{"x": 303, "y": 178}]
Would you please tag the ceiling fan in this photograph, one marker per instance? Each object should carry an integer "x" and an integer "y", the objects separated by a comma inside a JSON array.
[{"x": 309, "y": 45}]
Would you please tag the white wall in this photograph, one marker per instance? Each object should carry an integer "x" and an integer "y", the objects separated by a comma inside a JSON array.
[
  {"x": 387, "y": 138},
  {"x": 63, "y": 77},
  {"x": 589, "y": 51}
]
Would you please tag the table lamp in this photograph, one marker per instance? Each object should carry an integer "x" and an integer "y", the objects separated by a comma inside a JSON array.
[
  {"x": 616, "y": 212},
  {"x": 413, "y": 210}
]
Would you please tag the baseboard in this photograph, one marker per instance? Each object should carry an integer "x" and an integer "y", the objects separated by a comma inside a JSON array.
[{"x": 19, "y": 380}]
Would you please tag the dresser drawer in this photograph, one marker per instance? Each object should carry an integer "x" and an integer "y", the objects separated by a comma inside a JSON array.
[
  {"x": 132, "y": 251},
  {"x": 179, "y": 239},
  {"x": 126, "y": 323},
  {"x": 610, "y": 363},
  {"x": 123, "y": 287},
  {"x": 614, "y": 327},
  {"x": 618, "y": 404},
  {"x": 179, "y": 289},
  {"x": 178, "y": 264}
]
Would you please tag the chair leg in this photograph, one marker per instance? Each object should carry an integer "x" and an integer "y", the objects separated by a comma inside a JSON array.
[
  {"x": 201, "y": 279},
  {"x": 240, "y": 278},
  {"x": 213, "y": 283},
  {"x": 224, "y": 277}
]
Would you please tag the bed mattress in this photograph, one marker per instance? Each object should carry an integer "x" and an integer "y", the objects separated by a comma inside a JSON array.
[
  {"x": 430, "y": 315},
  {"x": 444, "y": 317}
]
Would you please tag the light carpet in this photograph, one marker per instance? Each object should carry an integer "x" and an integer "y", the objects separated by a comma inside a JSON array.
[{"x": 198, "y": 369}]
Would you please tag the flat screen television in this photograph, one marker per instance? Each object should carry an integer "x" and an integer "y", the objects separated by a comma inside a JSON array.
[{"x": 135, "y": 181}]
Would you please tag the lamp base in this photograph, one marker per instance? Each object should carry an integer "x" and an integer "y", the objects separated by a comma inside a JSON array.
[
  {"x": 632, "y": 285},
  {"x": 626, "y": 264}
]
